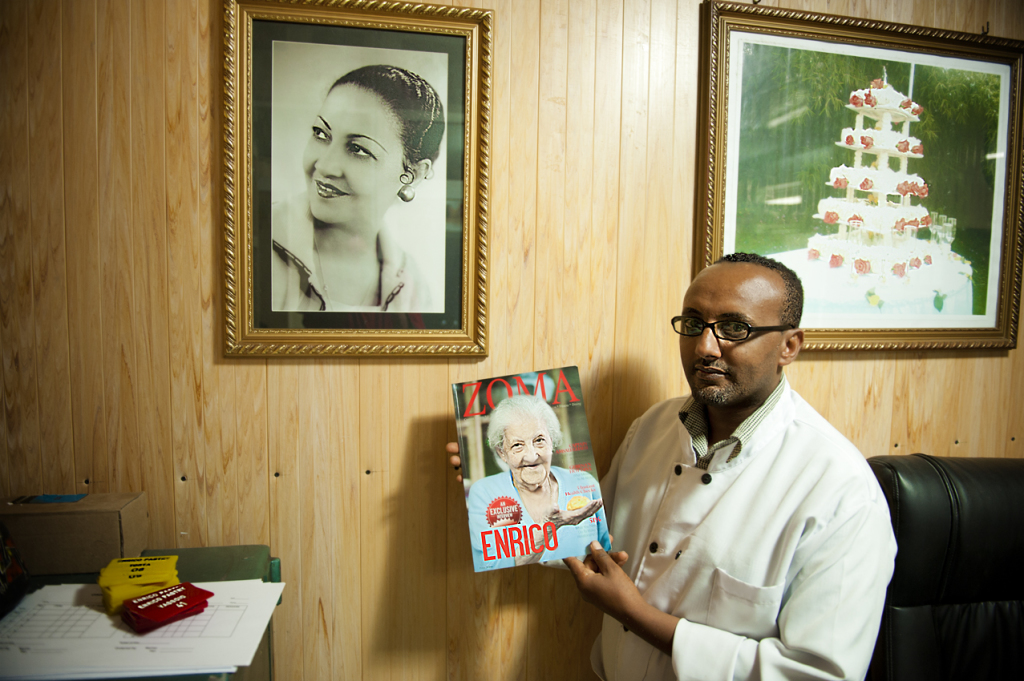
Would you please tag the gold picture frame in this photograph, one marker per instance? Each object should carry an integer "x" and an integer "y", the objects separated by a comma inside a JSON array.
[
  {"x": 790, "y": 98},
  {"x": 393, "y": 198}
]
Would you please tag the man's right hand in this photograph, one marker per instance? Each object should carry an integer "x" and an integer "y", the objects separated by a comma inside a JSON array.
[{"x": 453, "y": 449}]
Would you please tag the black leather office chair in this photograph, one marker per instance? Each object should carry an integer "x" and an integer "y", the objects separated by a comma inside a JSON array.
[{"x": 955, "y": 606}]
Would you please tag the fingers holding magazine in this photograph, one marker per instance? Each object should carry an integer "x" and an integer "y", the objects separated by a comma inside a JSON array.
[{"x": 456, "y": 462}]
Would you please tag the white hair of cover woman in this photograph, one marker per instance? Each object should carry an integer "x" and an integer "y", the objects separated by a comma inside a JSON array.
[{"x": 520, "y": 408}]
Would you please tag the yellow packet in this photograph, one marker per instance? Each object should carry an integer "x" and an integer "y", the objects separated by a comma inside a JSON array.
[{"x": 138, "y": 570}]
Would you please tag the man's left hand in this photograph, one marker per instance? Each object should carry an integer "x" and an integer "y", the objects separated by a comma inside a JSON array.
[{"x": 603, "y": 583}]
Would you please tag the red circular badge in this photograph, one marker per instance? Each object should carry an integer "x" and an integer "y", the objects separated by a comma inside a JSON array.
[{"x": 503, "y": 511}]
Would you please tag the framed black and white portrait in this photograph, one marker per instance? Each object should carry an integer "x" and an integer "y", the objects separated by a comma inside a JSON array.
[{"x": 355, "y": 177}]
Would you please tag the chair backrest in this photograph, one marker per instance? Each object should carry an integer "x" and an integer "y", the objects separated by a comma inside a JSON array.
[{"x": 955, "y": 605}]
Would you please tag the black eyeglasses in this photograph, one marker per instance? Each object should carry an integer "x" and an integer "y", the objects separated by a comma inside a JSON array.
[{"x": 724, "y": 329}]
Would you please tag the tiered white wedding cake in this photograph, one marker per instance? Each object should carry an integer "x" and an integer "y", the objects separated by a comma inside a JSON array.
[{"x": 876, "y": 218}]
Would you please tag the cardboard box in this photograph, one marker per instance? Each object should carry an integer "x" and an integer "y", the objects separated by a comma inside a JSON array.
[{"x": 77, "y": 537}]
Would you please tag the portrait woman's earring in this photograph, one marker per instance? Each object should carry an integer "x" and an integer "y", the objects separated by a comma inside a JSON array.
[{"x": 406, "y": 193}]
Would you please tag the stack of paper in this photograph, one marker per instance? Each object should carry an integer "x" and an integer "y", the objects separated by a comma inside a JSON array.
[{"x": 63, "y": 632}]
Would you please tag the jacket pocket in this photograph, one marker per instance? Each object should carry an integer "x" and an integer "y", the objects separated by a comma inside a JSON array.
[{"x": 743, "y": 608}]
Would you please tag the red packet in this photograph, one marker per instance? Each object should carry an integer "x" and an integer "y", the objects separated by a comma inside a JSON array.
[{"x": 165, "y": 606}]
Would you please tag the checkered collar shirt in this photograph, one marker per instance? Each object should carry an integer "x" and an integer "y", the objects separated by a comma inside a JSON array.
[{"x": 695, "y": 421}]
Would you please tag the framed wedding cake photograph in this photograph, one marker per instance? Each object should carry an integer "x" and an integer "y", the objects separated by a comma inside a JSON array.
[{"x": 881, "y": 162}]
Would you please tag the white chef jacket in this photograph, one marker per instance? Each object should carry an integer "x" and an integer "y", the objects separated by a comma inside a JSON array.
[{"x": 777, "y": 560}]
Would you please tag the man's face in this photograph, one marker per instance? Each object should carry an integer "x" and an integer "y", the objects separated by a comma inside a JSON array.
[{"x": 733, "y": 374}]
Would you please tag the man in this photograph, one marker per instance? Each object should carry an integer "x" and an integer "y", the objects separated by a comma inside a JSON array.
[{"x": 757, "y": 542}]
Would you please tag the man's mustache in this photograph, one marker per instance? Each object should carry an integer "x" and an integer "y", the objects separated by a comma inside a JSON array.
[{"x": 713, "y": 364}]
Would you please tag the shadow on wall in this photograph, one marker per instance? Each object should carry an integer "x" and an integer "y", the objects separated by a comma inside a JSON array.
[{"x": 434, "y": 613}]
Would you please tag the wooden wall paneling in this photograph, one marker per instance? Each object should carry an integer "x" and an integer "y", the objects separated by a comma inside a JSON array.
[
  {"x": 946, "y": 15},
  {"x": 117, "y": 261},
  {"x": 23, "y": 470},
  {"x": 1013, "y": 445},
  {"x": 376, "y": 534},
  {"x": 183, "y": 276},
  {"x": 979, "y": 434},
  {"x": 973, "y": 16},
  {"x": 903, "y": 12},
  {"x": 923, "y": 14},
  {"x": 635, "y": 363},
  {"x": 664, "y": 243},
  {"x": 556, "y": 259},
  {"x": 286, "y": 492},
  {"x": 926, "y": 398},
  {"x": 8, "y": 331},
  {"x": 602, "y": 218},
  {"x": 411, "y": 633},
  {"x": 149, "y": 241},
  {"x": 342, "y": 506},
  {"x": 81, "y": 201},
  {"x": 553, "y": 603},
  {"x": 252, "y": 419},
  {"x": 519, "y": 300},
  {"x": 811, "y": 376},
  {"x": 313, "y": 452},
  {"x": 49, "y": 267},
  {"x": 575, "y": 308},
  {"x": 474, "y": 618},
  {"x": 683, "y": 190},
  {"x": 233, "y": 497},
  {"x": 861, "y": 400}
]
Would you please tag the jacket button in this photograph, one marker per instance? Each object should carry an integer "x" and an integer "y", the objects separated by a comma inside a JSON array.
[
  {"x": 679, "y": 470},
  {"x": 654, "y": 547},
  {"x": 625, "y": 628},
  {"x": 706, "y": 478},
  {"x": 678, "y": 553}
]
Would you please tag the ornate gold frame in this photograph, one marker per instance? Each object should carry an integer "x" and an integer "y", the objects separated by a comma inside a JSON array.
[
  {"x": 241, "y": 337},
  {"x": 719, "y": 20}
]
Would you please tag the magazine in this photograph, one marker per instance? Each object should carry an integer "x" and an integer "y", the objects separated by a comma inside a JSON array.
[{"x": 528, "y": 468}]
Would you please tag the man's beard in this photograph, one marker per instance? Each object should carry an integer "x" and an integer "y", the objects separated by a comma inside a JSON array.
[
  {"x": 718, "y": 396},
  {"x": 714, "y": 395}
]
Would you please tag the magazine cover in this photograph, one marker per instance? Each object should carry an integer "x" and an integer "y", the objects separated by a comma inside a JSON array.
[{"x": 528, "y": 469}]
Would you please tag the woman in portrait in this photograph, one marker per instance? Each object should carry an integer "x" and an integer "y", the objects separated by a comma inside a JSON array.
[
  {"x": 375, "y": 138},
  {"x": 524, "y": 432}
]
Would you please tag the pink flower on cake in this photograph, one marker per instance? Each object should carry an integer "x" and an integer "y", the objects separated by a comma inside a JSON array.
[
  {"x": 849, "y": 140},
  {"x": 903, "y": 146},
  {"x": 856, "y": 220},
  {"x": 867, "y": 184},
  {"x": 899, "y": 226},
  {"x": 861, "y": 266},
  {"x": 917, "y": 149},
  {"x": 906, "y": 103},
  {"x": 917, "y": 109},
  {"x": 877, "y": 84},
  {"x": 927, "y": 260},
  {"x": 900, "y": 269},
  {"x": 831, "y": 217},
  {"x": 840, "y": 183},
  {"x": 869, "y": 98},
  {"x": 813, "y": 254},
  {"x": 913, "y": 223},
  {"x": 922, "y": 190},
  {"x": 835, "y": 261},
  {"x": 856, "y": 101},
  {"x": 926, "y": 221},
  {"x": 915, "y": 263},
  {"x": 866, "y": 141},
  {"x": 903, "y": 188}
]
